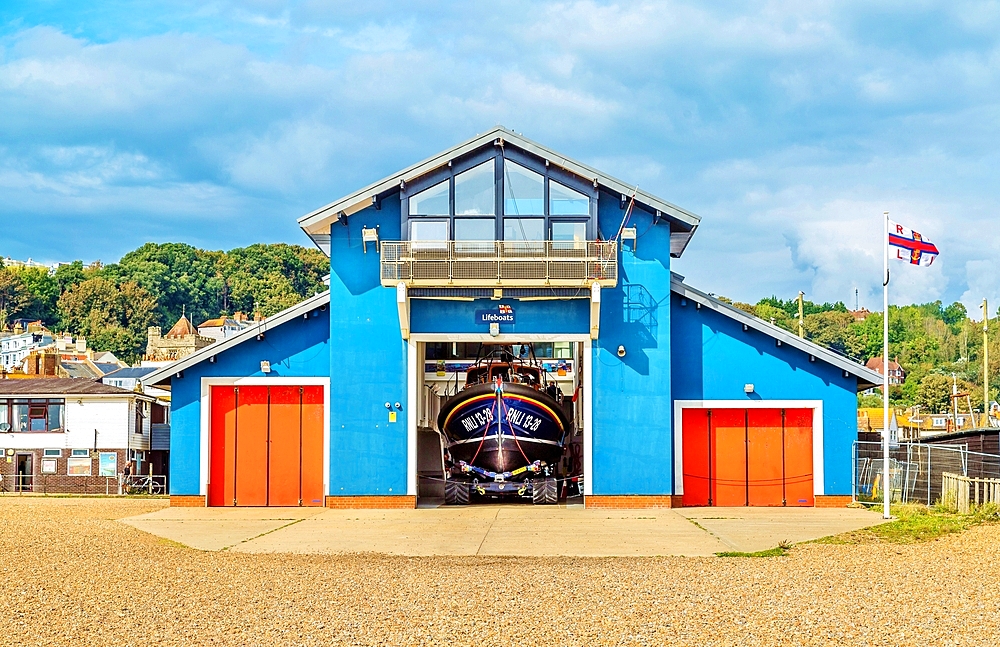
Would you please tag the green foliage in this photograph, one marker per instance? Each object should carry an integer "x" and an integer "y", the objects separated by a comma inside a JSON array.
[
  {"x": 113, "y": 305},
  {"x": 111, "y": 316},
  {"x": 915, "y": 523},
  {"x": 14, "y": 298},
  {"x": 870, "y": 400},
  {"x": 791, "y": 306},
  {"x": 934, "y": 393}
]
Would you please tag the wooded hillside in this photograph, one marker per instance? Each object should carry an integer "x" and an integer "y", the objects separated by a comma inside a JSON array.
[
  {"x": 113, "y": 305},
  {"x": 930, "y": 341}
]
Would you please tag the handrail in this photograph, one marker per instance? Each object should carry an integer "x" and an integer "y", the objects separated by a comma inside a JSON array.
[{"x": 482, "y": 263}]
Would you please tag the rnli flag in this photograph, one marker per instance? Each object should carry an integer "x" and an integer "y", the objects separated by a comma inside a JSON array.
[{"x": 909, "y": 246}]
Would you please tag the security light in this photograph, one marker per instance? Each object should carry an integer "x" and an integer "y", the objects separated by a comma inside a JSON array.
[{"x": 621, "y": 351}]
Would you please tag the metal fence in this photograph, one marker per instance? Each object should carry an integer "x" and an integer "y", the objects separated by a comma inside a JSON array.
[
  {"x": 915, "y": 470},
  {"x": 473, "y": 263}
]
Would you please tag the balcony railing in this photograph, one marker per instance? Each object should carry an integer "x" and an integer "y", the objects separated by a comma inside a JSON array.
[{"x": 473, "y": 263}]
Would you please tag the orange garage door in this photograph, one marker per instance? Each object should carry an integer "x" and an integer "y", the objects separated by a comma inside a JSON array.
[
  {"x": 266, "y": 446},
  {"x": 740, "y": 457}
]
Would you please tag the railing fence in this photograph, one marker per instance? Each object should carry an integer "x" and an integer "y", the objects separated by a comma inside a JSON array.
[
  {"x": 915, "y": 470},
  {"x": 962, "y": 494}
]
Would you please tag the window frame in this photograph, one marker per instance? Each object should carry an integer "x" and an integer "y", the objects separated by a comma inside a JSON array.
[
  {"x": 8, "y": 405},
  {"x": 549, "y": 173}
]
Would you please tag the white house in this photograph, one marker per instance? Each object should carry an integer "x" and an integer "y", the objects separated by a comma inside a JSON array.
[
  {"x": 73, "y": 435},
  {"x": 15, "y": 348}
]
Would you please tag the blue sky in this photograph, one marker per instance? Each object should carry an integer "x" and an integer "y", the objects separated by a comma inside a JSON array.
[{"x": 789, "y": 126}]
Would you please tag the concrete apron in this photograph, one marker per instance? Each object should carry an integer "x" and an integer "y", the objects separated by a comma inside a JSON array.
[{"x": 509, "y": 530}]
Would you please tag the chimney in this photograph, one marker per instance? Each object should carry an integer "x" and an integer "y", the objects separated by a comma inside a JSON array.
[{"x": 81, "y": 345}]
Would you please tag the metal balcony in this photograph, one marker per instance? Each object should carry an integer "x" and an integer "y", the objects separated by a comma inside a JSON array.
[{"x": 489, "y": 263}]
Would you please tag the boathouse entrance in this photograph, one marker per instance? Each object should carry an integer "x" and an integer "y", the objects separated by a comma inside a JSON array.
[{"x": 439, "y": 369}]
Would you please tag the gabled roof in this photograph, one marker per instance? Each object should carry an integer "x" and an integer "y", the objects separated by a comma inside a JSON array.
[
  {"x": 317, "y": 223},
  {"x": 866, "y": 376},
  {"x": 163, "y": 374},
  {"x": 181, "y": 328},
  {"x": 46, "y": 386},
  {"x": 131, "y": 372}
]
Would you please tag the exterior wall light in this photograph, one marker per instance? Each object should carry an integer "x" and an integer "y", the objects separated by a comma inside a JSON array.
[
  {"x": 748, "y": 388},
  {"x": 621, "y": 351},
  {"x": 265, "y": 367}
]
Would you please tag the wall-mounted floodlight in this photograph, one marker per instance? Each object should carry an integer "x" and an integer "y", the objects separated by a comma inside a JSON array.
[
  {"x": 748, "y": 388},
  {"x": 369, "y": 235},
  {"x": 621, "y": 351},
  {"x": 265, "y": 366}
]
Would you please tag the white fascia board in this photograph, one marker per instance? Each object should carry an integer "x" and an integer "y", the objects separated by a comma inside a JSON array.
[
  {"x": 319, "y": 221},
  {"x": 830, "y": 357},
  {"x": 251, "y": 332}
]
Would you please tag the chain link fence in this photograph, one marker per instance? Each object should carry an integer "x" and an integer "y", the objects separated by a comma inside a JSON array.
[{"x": 915, "y": 470}]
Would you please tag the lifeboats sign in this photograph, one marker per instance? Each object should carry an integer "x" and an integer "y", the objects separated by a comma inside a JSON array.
[{"x": 503, "y": 314}]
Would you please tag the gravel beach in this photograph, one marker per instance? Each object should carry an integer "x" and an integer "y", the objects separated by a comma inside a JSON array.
[{"x": 74, "y": 575}]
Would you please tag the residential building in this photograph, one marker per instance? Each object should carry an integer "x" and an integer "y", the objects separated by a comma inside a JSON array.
[
  {"x": 16, "y": 348},
  {"x": 896, "y": 373},
  {"x": 223, "y": 327},
  {"x": 74, "y": 435}
]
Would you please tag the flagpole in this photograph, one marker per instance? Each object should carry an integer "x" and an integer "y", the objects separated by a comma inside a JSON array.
[{"x": 886, "y": 490}]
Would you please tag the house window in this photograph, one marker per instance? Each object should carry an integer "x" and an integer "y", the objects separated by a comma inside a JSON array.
[
  {"x": 500, "y": 197},
  {"x": 77, "y": 453},
  {"x": 564, "y": 201},
  {"x": 431, "y": 202},
  {"x": 49, "y": 466},
  {"x": 524, "y": 191},
  {"x": 36, "y": 415},
  {"x": 52, "y": 453},
  {"x": 429, "y": 234},
  {"x": 523, "y": 229},
  {"x": 475, "y": 192}
]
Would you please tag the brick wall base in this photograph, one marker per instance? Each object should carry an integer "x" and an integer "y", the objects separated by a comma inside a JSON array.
[
  {"x": 833, "y": 500},
  {"x": 188, "y": 501},
  {"x": 371, "y": 502},
  {"x": 632, "y": 501}
]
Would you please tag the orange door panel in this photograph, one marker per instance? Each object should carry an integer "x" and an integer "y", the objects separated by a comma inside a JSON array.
[
  {"x": 765, "y": 486},
  {"x": 251, "y": 446},
  {"x": 222, "y": 435},
  {"x": 284, "y": 455},
  {"x": 729, "y": 457},
  {"x": 312, "y": 446},
  {"x": 695, "y": 460},
  {"x": 799, "y": 457}
]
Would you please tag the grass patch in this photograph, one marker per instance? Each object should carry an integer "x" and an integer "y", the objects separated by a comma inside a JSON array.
[
  {"x": 916, "y": 523},
  {"x": 778, "y": 551}
]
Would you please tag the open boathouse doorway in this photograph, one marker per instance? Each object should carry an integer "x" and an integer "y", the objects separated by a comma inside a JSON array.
[{"x": 501, "y": 419}]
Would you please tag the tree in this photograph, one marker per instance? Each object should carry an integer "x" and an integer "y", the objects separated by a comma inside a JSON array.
[
  {"x": 13, "y": 296},
  {"x": 112, "y": 317},
  {"x": 934, "y": 393},
  {"x": 270, "y": 278},
  {"x": 43, "y": 292}
]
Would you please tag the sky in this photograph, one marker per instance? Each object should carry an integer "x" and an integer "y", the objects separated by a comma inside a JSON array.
[{"x": 789, "y": 127}]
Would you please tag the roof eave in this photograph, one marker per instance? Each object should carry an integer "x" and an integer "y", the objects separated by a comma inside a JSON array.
[
  {"x": 866, "y": 377},
  {"x": 317, "y": 222},
  {"x": 161, "y": 377}
]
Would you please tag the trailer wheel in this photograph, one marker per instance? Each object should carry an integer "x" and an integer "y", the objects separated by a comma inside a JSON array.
[
  {"x": 456, "y": 493},
  {"x": 544, "y": 491}
]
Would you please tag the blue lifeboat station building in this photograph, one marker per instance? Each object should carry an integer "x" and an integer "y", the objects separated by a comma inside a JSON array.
[{"x": 675, "y": 397}]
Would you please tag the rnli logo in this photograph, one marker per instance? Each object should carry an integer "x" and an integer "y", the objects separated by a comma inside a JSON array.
[{"x": 503, "y": 314}]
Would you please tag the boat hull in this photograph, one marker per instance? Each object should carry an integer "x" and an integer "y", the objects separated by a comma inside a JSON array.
[{"x": 505, "y": 433}]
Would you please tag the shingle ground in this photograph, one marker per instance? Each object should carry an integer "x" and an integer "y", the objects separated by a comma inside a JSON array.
[{"x": 73, "y": 575}]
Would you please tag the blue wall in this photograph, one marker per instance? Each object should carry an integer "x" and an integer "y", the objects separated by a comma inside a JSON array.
[
  {"x": 298, "y": 348},
  {"x": 714, "y": 358},
  {"x": 632, "y": 442},
  {"x": 367, "y": 362}
]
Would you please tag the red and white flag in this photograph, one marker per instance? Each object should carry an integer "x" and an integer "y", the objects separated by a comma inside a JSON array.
[{"x": 909, "y": 246}]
